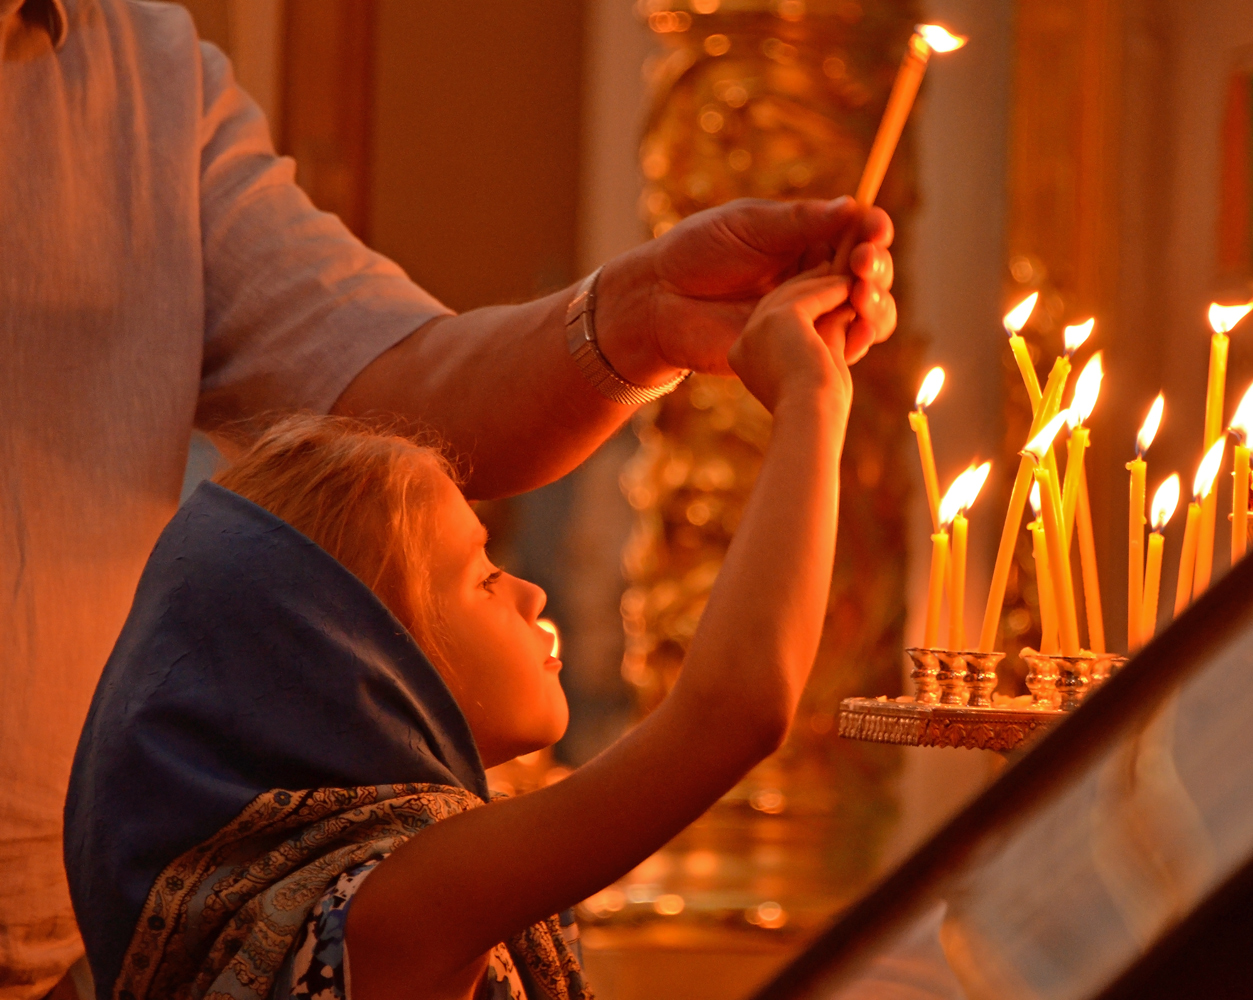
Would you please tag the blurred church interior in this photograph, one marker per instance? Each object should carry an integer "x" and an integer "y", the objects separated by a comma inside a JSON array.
[{"x": 1097, "y": 151}]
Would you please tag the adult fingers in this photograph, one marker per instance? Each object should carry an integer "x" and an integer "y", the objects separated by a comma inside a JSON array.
[
  {"x": 876, "y": 306},
  {"x": 876, "y": 227},
  {"x": 873, "y": 264}
]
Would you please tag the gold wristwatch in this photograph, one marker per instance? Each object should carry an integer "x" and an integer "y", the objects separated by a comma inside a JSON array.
[{"x": 581, "y": 339}]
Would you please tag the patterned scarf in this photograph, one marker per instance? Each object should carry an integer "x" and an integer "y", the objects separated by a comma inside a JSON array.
[{"x": 221, "y": 919}]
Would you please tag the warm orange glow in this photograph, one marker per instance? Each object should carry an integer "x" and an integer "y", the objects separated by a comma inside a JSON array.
[
  {"x": 1035, "y": 499},
  {"x": 930, "y": 388},
  {"x": 963, "y": 492},
  {"x": 1165, "y": 500},
  {"x": 1242, "y": 422},
  {"x": 1148, "y": 430},
  {"x": 1039, "y": 445},
  {"x": 1223, "y": 319},
  {"x": 1087, "y": 389},
  {"x": 1207, "y": 471},
  {"x": 940, "y": 39},
  {"x": 1074, "y": 336},
  {"x": 1017, "y": 317},
  {"x": 551, "y": 629}
]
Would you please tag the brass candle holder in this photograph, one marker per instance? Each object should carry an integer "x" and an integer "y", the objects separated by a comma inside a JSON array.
[{"x": 954, "y": 703}]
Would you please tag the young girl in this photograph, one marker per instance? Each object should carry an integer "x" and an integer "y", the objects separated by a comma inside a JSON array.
[{"x": 278, "y": 794}]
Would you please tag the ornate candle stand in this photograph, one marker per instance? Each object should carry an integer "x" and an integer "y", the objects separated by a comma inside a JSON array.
[{"x": 953, "y": 704}]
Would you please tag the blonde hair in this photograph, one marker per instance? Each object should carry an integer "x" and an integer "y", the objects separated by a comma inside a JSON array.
[{"x": 361, "y": 493}]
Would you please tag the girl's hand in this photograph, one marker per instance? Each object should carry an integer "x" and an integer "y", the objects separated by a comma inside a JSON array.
[{"x": 792, "y": 345}]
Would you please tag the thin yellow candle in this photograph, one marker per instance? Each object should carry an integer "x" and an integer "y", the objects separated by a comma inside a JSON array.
[
  {"x": 935, "y": 588},
  {"x": 957, "y": 500},
  {"x": 1202, "y": 487},
  {"x": 1059, "y": 564},
  {"x": 1043, "y": 580},
  {"x": 1187, "y": 558},
  {"x": 1241, "y": 425},
  {"x": 1047, "y": 411},
  {"x": 1014, "y": 321},
  {"x": 1165, "y": 500},
  {"x": 1221, "y": 319},
  {"x": 930, "y": 388},
  {"x": 1136, "y": 521},
  {"x": 1087, "y": 563},
  {"x": 927, "y": 38}
]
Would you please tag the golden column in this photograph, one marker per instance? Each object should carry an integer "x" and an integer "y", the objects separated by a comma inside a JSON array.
[{"x": 770, "y": 99}]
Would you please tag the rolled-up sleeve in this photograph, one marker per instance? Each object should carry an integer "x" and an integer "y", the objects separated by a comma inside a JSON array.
[{"x": 295, "y": 305}]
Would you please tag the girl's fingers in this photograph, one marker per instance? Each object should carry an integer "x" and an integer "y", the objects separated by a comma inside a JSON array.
[{"x": 812, "y": 296}]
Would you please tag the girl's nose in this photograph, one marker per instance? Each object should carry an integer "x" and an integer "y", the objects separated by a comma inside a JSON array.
[{"x": 531, "y": 599}]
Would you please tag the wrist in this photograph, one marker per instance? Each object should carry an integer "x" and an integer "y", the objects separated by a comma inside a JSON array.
[
  {"x": 625, "y": 324},
  {"x": 812, "y": 403}
]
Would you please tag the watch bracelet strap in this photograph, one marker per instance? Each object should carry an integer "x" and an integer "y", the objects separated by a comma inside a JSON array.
[{"x": 581, "y": 340}]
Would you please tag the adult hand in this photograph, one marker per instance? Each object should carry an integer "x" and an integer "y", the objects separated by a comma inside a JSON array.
[{"x": 681, "y": 300}]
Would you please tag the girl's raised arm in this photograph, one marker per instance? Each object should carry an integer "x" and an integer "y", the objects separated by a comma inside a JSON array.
[{"x": 422, "y": 923}]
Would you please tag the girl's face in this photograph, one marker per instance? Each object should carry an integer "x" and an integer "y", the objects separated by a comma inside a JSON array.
[{"x": 500, "y": 664}]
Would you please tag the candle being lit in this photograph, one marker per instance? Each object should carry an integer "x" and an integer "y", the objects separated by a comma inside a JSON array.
[
  {"x": 1059, "y": 565},
  {"x": 927, "y": 38},
  {"x": 1222, "y": 319},
  {"x": 963, "y": 493},
  {"x": 1165, "y": 500},
  {"x": 1241, "y": 426},
  {"x": 1135, "y": 526},
  {"x": 1043, "y": 580},
  {"x": 1014, "y": 321},
  {"x": 927, "y": 392},
  {"x": 1202, "y": 487}
]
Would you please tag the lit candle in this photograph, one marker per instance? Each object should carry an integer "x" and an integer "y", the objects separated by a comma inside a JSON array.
[
  {"x": 1241, "y": 424},
  {"x": 1043, "y": 581},
  {"x": 1014, "y": 321},
  {"x": 1136, "y": 521},
  {"x": 1221, "y": 319},
  {"x": 1017, "y": 504},
  {"x": 1059, "y": 564},
  {"x": 930, "y": 388},
  {"x": 957, "y": 501},
  {"x": 927, "y": 38},
  {"x": 1165, "y": 500},
  {"x": 1202, "y": 487},
  {"x": 935, "y": 588},
  {"x": 1087, "y": 389}
]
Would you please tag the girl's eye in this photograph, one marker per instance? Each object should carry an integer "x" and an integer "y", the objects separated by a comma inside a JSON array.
[{"x": 490, "y": 581}]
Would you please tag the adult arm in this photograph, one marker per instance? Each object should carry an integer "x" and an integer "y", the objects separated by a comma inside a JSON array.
[
  {"x": 499, "y": 386},
  {"x": 421, "y": 925}
]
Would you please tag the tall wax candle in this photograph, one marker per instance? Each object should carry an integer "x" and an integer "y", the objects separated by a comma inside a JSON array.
[
  {"x": 1187, "y": 558},
  {"x": 1165, "y": 500},
  {"x": 1087, "y": 563},
  {"x": 1136, "y": 521},
  {"x": 1087, "y": 389},
  {"x": 1044, "y": 588},
  {"x": 1222, "y": 319},
  {"x": 1059, "y": 564},
  {"x": 1014, "y": 321},
  {"x": 935, "y": 588},
  {"x": 1241, "y": 426},
  {"x": 929, "y": 389},
  {"x": 957, "y": 586},
  {"x": 1202, "y": 487}
]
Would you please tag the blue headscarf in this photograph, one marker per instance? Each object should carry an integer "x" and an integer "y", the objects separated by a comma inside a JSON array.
[{"x": 251, "y": 660}]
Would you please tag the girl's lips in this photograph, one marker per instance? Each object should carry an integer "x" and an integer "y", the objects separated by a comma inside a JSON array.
[{"x": 553, "y": 664}]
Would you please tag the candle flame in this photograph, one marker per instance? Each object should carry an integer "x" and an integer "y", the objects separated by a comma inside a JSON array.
[
  {"x": 963, "y": 492},
  {"x": 1035, "y": 498},
  {"x": 1242, "y": 422},
  {"x": 1222, "y": 319},
  {"x": 930, "y": 388},
  {"x": 1039, "y": 445},
  {"x": 551, "y": 629},
  {"x": 1207, "y": 471},
  {"x": 1165, "y": 500},
  {"x": 1087, "y": 389},
  {"x": 1148, "y": 429},
  {"x": 1017, "y": 317},
  {"x": 940, "y": 39},
  {"x": 1075, "y": 335}
]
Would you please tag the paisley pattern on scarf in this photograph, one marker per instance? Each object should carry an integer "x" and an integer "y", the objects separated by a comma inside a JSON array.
[{"x": 221, "y": 919}]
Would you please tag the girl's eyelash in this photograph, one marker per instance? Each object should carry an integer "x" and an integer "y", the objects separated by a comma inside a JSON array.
[{"x": 490, "y": 580}]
